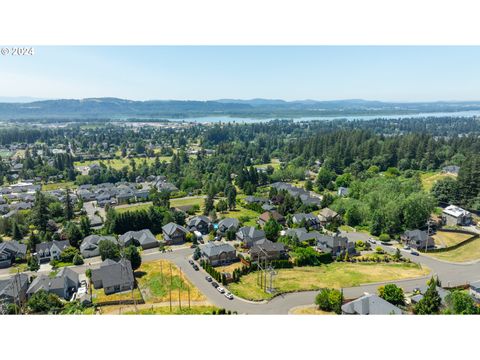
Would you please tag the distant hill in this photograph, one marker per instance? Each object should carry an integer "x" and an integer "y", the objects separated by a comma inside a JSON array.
[{"x": 115, "y": 108}]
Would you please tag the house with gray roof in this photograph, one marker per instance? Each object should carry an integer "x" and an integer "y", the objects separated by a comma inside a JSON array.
[
  {"x": 475, "y": 290},
  {"x": 143, "y": 238},
  {"x": 417, "y": 239},
  {"x": 248, "y": 235},
  {"x": 14, "y": 289},
  {"x": 113, "y": 276},
  {"x": 327, "y": 215},
  {"x": 48, "y": 251},
  {"x": 219, "y": 253},
  {"x": 451, "y": 169},
  {"x": 90, "y": 244},
  {"x": 226, "y": 224},
  {"x": 335, "y": 245},
  {"x": 64, "y": 284},
  {"x": 370, "y": 304},
  {"x": 456, "y": 216},
  {"x": 309, "y": 220},
  {"x": 10, "y": 251},
  {"x": 266, "y": 249},
  {"x": 200, "y": 223},
  {"x": 174, "y": 233}
]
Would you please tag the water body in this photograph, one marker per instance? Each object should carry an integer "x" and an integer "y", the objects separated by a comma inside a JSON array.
[{"x": 228, "y": 119}]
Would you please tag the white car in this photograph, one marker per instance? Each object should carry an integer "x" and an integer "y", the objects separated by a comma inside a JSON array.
[
  {"x": 372, "y": 241},
  {"x": 229, "y": 295},
  {"x": 220, "y": 289}
]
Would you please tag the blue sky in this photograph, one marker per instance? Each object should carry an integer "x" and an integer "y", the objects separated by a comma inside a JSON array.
[{"x": 202, "y": 73}]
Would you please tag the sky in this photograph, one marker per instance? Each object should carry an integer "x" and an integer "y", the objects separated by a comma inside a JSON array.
[{"x": 419, "y": 73}]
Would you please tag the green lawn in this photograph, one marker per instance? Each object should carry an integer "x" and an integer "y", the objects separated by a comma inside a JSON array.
[
  {"x": 448, "y": 239},
  {"x": 59, "y": 185},
  {"x": 464, "y": 253},
  {"x": 165, "y": 310},
  {"x": 335, "y": 275},
  {"x": 133, "y": 207},
  {"x": 429, "y": 178},
  {"x": 122, "y": 162},
  {"x": 275, "y": 163},
  {"x": 188, "y": 201}
]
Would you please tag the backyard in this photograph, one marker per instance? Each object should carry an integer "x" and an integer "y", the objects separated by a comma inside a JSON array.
[
  {"x": 448, "y": 239},
  {"x": 465, "y": 253},
  {"x": 335, "y": 275},
  {"x": 429, "y": 178}
]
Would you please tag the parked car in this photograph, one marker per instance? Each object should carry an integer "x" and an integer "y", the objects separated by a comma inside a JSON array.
[
  {"x": 191, "y": 262},
  {"x": 414, "y": 253},
  {"x": 208, "y": 278},
  {"x": 372, "y": 241},
  {"x": 214, "y": 284},
  {"x": 196, "y": 267},
  {"x": 220, "y": 289},
  {"x": 406, "y": 248},
  {"x": 229, "y": 295}
]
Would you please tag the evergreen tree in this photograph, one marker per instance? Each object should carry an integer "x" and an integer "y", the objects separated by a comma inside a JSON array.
[
  {"x": 68, "y": 206},
  {"x": 431, "y": 302},
  {"x": 40, "y": 213}
]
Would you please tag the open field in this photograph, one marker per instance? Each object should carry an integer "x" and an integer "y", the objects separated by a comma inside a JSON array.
[
  {"x": 59, "y": 185},
  {"x": 99, "y": 296},
  {"x": 229, "y": 268},
  {"x": 148, "y": 309},
  {"x": 448, "y": 239},
  {"x": 275, "y": 163},
  {"x": 133, "y": 207},
  {"x": 239, "y": 212},
  {"x": 465, "y": 253},
  {"x": 429, "y": 178},
  {"x": 122, "y": 162},
  {"x": 156, "y": 282},
  {"x": 310, "y": 310},
  {"x": 335, "y": 275},
  {"x": 187, "y": 201}
]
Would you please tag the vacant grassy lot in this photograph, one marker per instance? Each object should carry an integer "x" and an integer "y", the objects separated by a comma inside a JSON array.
[
  {"x": 59, "y": 185},
  {"x": 429, "y": 178},
  {"x": 335, "y": 275},
  {"x": 275, "y": 163},
  {"x": 122, "y": 162},
  {"x": 229, "y": 268},
  {"x": 155, "y": 283},
  {"x": 99, "y": 296},
  {"x": 165, "y": 310},
  {"x": 448, "y": 239},
  {"x": 133, "y": 207},
  {"x": 465, "y": 253},
  {"x": 194, "y": 200},
  {"x": 310, "y": 310}
]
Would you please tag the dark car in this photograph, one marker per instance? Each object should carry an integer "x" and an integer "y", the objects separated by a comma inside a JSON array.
[
  {"x": 214, "y": 284},
  {"x": 196, "y": 267},
  {"x": 191, "y": 262},
  {"x": 414, "y": 253},
  {"x": 208, "y": 278}
]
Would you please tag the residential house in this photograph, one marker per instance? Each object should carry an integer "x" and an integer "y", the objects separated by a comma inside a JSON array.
[
  {"x": 174, "y": 233},
  {"x": 266, "y": 249},
  {"x": 90, "y": 245},
  {"x": 456, "y": 216},
  {"x": 254, "y": 200},
  {"x": 248, "y": 235},
  {"x": 451, "y": 169},
  {"x": 335, "y": 245},
  {"x": 342, "y": 191},
  {"x": 370, "y": 304},
  {"x": 475, "y": 290},
  {"x": 113, "y": 276},
  {"x": 306, "y": 197},
  {"x": 10, "y": 251},
  {"x": 308, "y": 220},
  {"x": 226, "y": 224},
  {"x": 200, "y": 223},
  {"x": 14, "y": 289},
  {"x": 64, "y": 284},
  {"x": 219, "y": 253},
  {"x": 327, "y": 215},
  {"x": 143, "y": 238},
  {"x": 423, "y": 289},
  {"x": 51, "y": 250},
  {"x": 267, "y": 215},
  {"x": 418, "y": 239}
]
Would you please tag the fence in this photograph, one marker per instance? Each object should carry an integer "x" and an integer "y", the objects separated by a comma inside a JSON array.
[{"x": 456, "y": 246}]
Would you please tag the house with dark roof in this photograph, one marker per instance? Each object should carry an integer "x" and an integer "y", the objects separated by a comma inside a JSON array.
[
  {"x": 64, "y": 284},
  {"x": 417, "y": 239},
  {"x": 113, "y": 276},
  {"x": 14, "y": 289},
  {"x": 219, "y": 253},
  {"x": 254, "y": 200},
  {"x": 266, "y": 249},
  {"x": 199, "y": 223},
  {"x": 48, "y": 251},
  {"x": 10, "y": 251},
  {"x": 327, "y": 215},
  {"x": 309, "y": 220},
  {"x": 335, "y": 245},
  {"x": 226, "y": 224},
  {"x": 174, "y": 233},
  {"x": 248, "y": 235},
  {"x": 90, "y": 244},
  {"x": 143, "y": 238},
  {"x": 475, "y": 290},
  {"x": 370, "y": 304},
  {"x": 267, "y": 215}
]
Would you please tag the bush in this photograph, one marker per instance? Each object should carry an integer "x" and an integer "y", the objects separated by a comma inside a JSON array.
[
  {"x": 43, "y": 302},
  {"x": 330, "y": 300},
  {"x": 78, "y": 259},
  {"x": 384, "y": 237},
  {"x": 379, "y": 250},
  {"x": 392, "y": 293},
  {"x": 68, "y": 254}
]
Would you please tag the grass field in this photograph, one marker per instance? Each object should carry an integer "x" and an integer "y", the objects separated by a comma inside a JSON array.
[
  {"x": 165, "y": 310},
  {"x": 133, "y": 207},
  {"x": 59, "y": 185},
  {"x": 448, "y": 239},
  {"x": 429, "y": 178},
  {"x": 275, "y": 163},
  {"x": 239, "y": 212},
  {"x": 465, "y": 253},
  {"x": 229, "y": 268},
  {"x": 187, "y": 201},
  {"x": 99, "y": 296},
  {"x": 335, "y": 275},
  {"x": 310, "y": 310},
  {"x": 154, "y": 281},
  {"x": 122, "y": 162}
]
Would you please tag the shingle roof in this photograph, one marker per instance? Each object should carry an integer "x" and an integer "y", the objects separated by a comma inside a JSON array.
[
  {"x": 92, "y": 241},
  {"x": 249, "y": 232},
  {"x": 10, "y": 288},
  {"x": 48, "y": 245},
  {"x": 216, "y": 248},
  {"x": 370, "y": 304},
  {"x": 144, "y": 237},
  {"x": 113, "y": 273},
  {"x": 171, "y": 227}
]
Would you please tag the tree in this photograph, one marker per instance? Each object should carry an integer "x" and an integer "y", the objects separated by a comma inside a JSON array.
[
  {"x": 324, "y": 177},
  {"x": 461, "y": 303},
  {"x": 44, "y": 302},
  {"x": 197, "y": 253},
  {"x": 272, "y": 229},
  {"x": 78, "y": 260},
  {"x": 392, "y": 293},
  {"x": 417, "y": 209},
  {"x": 85, "y": 226},
  {"x": 231, "y": 234},
  {"x": 231, "y": 194},
  {"x": 109, "y": 250},
  {"x": 330, "y": 300},
  {"x": 33, "y": 264},
  {"x": 68, "y": 254},
  {"x": 160, "y": 198},
  {"x": 68, "y": 206},
  {"x": 431, "y": 301},
  {"x": 16, "y": 232},
  {"x": 40, "y": 213},
  {"x": 208, "y": 205},
  {"x": 73, "y": 234},
  {"x": 131, "y": 253},
  {"x": 222, "y": 206}
]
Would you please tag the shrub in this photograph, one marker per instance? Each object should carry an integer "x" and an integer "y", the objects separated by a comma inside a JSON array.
[
  {"x": 384, "y": 237},
  {"x": 379, "y": 250},
  {"x": 78, "y": 259},
  {"x": 329, "y": 300}
]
